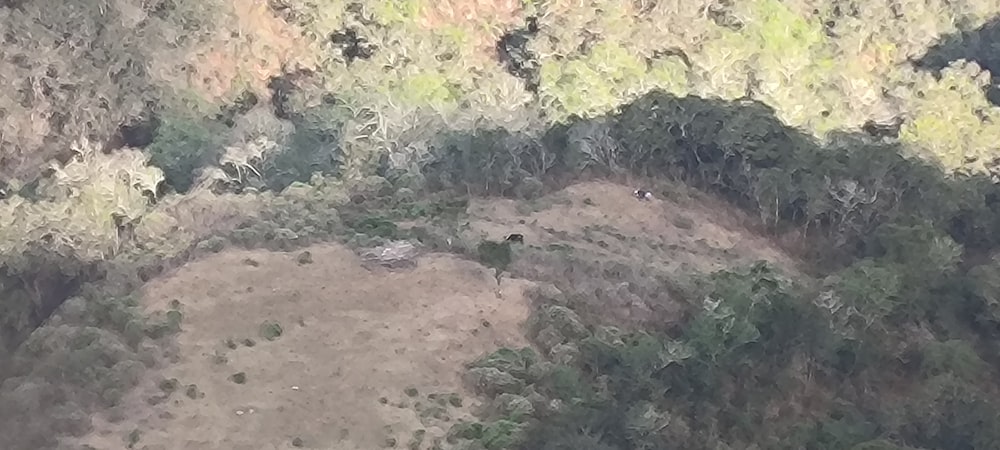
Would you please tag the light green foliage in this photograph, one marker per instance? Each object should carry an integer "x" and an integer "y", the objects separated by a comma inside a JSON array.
[
  {"x": 596, "y": 56},
  {"x": 786, "y": 55},
  {"x": 596, "y": 82},
  {"x": 400, "y": 12},
  {"x": 81, "y": 201},
  {"x": 952, "y": 122},
  {"x": 668, "y": 74},
  {"x": 425, "y": 88}
]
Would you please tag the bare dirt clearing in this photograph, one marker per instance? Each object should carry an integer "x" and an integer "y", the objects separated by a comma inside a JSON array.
[
  {"x": 353, "y": 341},
  {"x": 683, "y": 229}
]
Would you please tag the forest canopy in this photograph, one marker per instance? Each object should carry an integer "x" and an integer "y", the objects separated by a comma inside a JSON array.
[{"x": 139, "y": 133}]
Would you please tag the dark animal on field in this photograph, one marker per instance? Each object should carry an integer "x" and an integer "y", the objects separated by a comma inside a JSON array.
[
  {"x": 519, "y": 238},
  {"x": 642, "y": 195}
]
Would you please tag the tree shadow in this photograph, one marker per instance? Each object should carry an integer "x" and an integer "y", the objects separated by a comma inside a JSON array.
[
  {"x": 981, "y": 45},
  {"x": 842, "y": 190}
]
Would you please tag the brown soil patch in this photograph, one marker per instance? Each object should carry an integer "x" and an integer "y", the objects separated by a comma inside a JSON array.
[
  {"x": 680, "y": 230},
  {"x": 352, "y": 339}
]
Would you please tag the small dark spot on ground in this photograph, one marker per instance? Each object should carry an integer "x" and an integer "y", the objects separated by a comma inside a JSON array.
[
  {"x": 238, "y": 378},
  {"x": 304, "y": 258}
]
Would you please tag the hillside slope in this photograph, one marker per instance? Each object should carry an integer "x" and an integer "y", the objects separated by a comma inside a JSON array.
[{"x": 355, "y": 338}]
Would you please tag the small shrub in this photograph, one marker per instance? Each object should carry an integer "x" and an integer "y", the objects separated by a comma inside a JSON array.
[
  {"x": 214, "y": 244},
  {"x": 492, "y": 381},
  {"x": 465, "y": 430},
  {"x": 182, "y": 146},
  {"x": 174, "y": 318},
  {"x": 374, "y": 226},
  {"x": 567, "y": 383},
  {"x": 193, "y": 392},
  {"x": 238, "y": 378},
  {"x": 502, "y": 434},
  {"x": 417, "y": 439},
  {"x": 514, "y": 362},
  {"x": 161, "y": 324},
  {"x": 169, "y": 386},
  {"x": 495, "y": 255},
  {"x": 529, "y": 188},
  {"x": 270, "y": 330},
  {"x": 133, "y": 438}
]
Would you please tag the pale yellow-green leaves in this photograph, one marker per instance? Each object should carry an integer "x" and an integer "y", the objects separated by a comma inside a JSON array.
[
  {"x": 950, "y": 119},
  {"x": 80, "y": 202},
  {"x": 593, "y": 84}
]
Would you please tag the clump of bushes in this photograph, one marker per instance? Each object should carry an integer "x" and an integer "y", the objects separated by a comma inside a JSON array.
[{"x": 645, "y": 388}]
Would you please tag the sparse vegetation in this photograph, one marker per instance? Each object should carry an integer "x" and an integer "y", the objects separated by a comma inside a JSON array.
[{"x": 136, "y": 136}]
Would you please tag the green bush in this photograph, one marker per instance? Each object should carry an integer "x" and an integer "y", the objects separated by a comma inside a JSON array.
[
  {"x": 501, "y": 435},
  {"x": 491, "y": 162},
  {"x": 947, "y": 412},
  {"x": 514, "y": 362},
  {"x": 953, "y": 356},
  {"x": 312, "y": 149},
  {"x": 495, "y": 255},
  {"x": 184, "y": 145},
  {"x": 567, "y": 383}
]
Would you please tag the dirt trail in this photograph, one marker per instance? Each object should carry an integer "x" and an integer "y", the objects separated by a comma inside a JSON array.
[
  {"x": 350, "y": 338},
  {"x": 354, "y": 340}
]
